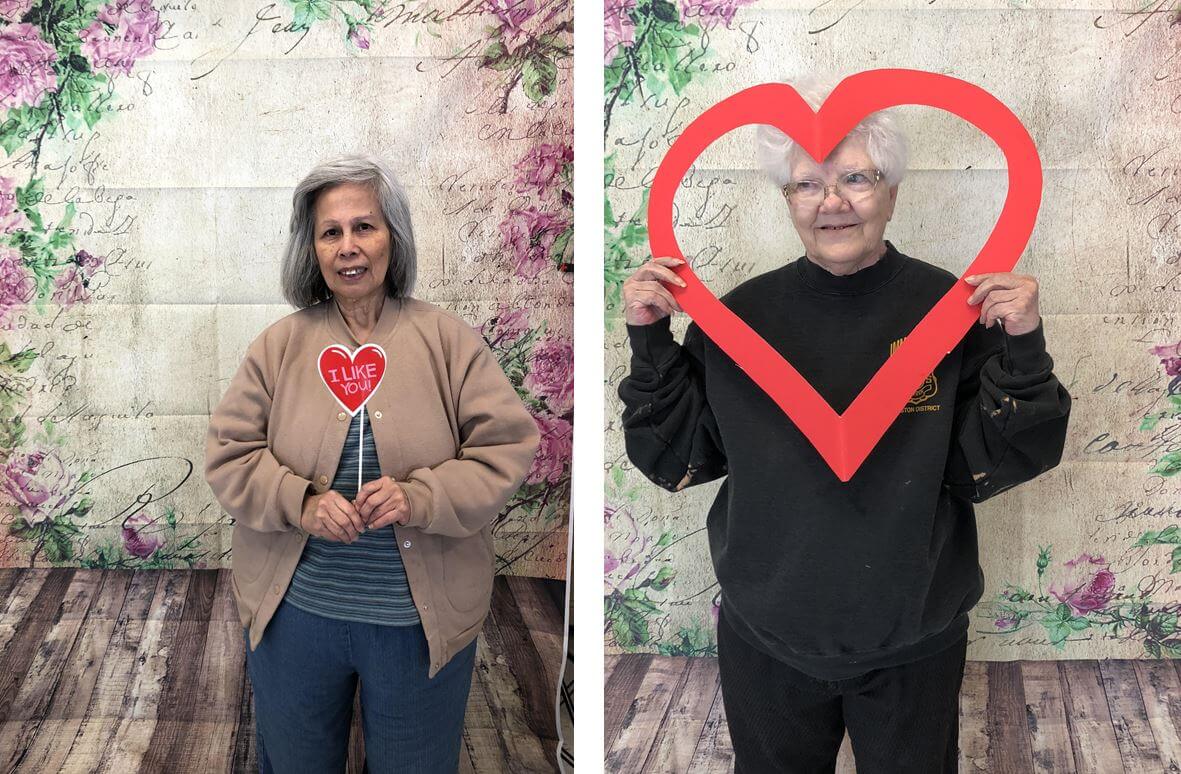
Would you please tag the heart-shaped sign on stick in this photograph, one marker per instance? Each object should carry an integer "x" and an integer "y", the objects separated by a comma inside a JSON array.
[
  {"x": 352, "y": 378},
  {"x": 845, "y": 440}
]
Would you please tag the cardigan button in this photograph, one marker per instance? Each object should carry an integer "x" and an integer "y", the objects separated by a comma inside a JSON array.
[
  {"x": 323, "y": 479},
  {"x": 407, "y": 544},
  {"x": 341, "y": 416},
  {"x": 377, "y": 415}
]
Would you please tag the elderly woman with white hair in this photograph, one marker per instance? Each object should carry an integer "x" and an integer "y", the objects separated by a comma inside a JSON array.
[
  {"x": 362, "y": 548},
  {"x": 844, "y": 606}
]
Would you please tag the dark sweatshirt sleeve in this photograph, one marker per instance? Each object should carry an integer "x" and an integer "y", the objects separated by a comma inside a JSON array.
[
  {"x": 669, "y": 430},
  {"x": 1011, "y": 414}
]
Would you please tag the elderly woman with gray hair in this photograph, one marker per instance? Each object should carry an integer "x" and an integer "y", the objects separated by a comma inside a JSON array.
[
  {"x": 361, "y": 549},
  {"x": 844, "y": 606}
]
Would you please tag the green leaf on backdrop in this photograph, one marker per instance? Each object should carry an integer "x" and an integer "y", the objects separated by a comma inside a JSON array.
[
  {"x": 21, "y": 125},
  {"x": 28, "y": 197},
  {"x": 1170, "y": 535},
  {"x": 628, "y": 613},
  {"x": 82, "y": 97},
  {"x": 552, "y": 43},
  {"x": 1164, "y": 624},
  {"x": 1169, "y": 465},
  {"x": 58, "y": 547},
  {"x": 637, "y": 600},
  {"x": 308, "y": 12},
  {"x": 12, "y": 429},
  {"x": 539, "y": 77},
  {"x": 690, "y": 641},
  {"x": 497, "y": 57},
  {"x": 558, "y": 250},
  {"x": 665, "y": 11},
  {"x": 1150, "y": 422},
  {"x": 663, "y": 578},
  {"x": 21, "y": 361},
  {"x": 630, "y": 630}
]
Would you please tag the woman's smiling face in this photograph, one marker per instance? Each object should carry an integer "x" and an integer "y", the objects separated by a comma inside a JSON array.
[
  {"x": 352, "y": 240},
  {"x": 860, "y": 241}
]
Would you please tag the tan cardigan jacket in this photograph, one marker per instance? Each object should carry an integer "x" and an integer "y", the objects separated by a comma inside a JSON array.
[{"x": 447, "y": 424}]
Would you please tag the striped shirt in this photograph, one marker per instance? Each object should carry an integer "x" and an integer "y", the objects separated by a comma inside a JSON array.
[{"x": 360, "y": 581}]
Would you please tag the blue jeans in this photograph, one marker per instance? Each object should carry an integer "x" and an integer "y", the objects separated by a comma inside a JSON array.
[{"x": 304, "y": 675}]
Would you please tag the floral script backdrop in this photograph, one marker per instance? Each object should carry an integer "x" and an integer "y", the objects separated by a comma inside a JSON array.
[
  {"x": 1085, "y": 562},
  {"x": 149, "y": 152}
]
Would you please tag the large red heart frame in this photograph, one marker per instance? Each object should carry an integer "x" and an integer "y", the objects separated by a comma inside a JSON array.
[{"x": 845, "y": 440}]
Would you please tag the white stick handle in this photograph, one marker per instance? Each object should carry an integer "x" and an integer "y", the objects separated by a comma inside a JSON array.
[{"x": 360, "y": 449}]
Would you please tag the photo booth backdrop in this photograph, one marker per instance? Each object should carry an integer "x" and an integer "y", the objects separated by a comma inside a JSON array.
[
  {"x": 1084, "y": 562},
  {"x": 150, "y": 152}
]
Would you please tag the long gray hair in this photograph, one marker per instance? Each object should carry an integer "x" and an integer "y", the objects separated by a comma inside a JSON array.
[{"x": 303, "y": 284}]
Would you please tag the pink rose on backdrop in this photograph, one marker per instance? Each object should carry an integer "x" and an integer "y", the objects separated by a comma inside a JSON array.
[
  {"x": 11, "y": 217},
  {"x": 141, "y": 534},
  {"x": 530, "y": 235},
  {"x": 13, "y": 10},
  {"x": 1170, "y": 358},
  {"x": 554, "y": 452},
  {"x": 16, "y": 284},
  {"x": 522, "y": 20},
  {"x": 89, "y": 263},
  {"x": 506, "y": 327},
  {"x": 124, "y": 32},
  {"x": 711, "y": 13},
  {"x": 618, "y": 28},
  {"x": 37, "y": 483},
  {"x": 26, "y": 66},
  {"x": 71, "y": 286},
  {"x": 359, "y": 36},
  {"x": 551, "y": 374},
  {"x": 1087, "y": 584},
  {"x": 538, "y": 169},
  {"x": 624, "y": 558}
]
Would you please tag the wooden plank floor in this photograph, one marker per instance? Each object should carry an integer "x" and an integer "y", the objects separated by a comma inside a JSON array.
[
  {"x": 120, "y": 671},
  {"x": 1096, "y": 717}
]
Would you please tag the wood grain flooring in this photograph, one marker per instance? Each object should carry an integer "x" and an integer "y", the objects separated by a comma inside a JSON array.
[
  {"x": 1095, "y": 717},
  {"x": 121, "y": 671}
]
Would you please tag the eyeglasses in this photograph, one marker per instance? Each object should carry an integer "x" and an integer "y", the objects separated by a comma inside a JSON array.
[{"x": 853, "y": 186}]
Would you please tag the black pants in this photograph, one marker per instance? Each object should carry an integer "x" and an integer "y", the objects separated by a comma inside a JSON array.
[{"x": 901, "y": 720}]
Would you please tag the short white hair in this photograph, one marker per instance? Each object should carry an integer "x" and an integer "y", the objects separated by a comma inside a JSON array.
[{"x": 884, "y": 141}]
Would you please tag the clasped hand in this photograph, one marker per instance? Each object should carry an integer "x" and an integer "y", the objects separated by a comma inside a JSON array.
[{"x": 380, "y": 503}]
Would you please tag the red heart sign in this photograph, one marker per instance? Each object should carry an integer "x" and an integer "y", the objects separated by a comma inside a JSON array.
[
  {"x": 845, "y": 440},
  {"x": 352, "y": 377}
]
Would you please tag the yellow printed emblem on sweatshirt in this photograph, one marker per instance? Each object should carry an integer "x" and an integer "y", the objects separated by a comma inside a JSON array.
[{"x": 927, "y": 390}]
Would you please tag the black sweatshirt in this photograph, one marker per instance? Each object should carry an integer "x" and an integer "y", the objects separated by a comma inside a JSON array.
[{"x": 833, "y": 578}]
